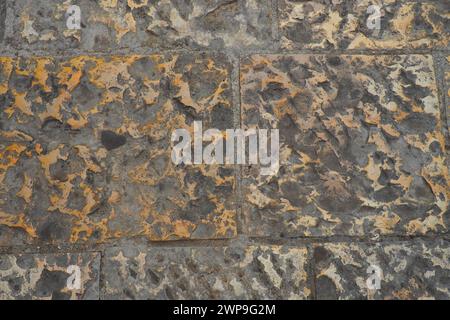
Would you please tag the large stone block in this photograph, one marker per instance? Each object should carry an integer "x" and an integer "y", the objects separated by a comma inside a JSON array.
[
  {"x": 255, "y": 272},
  {"x": 113, "y": 24},
  {"x": 50, "y": 276},
  {"x": 87, "y": 148},
  {"x": 409, "y": 270},
  {"x": 352, "y": 24},
  {"x": 362, "y": 150}
]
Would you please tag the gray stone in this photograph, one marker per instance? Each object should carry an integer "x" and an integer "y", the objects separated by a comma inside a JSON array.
[
  {"x": 254, "y": 272},
  {"x": 409, "y": 270},
  {"x": 111, "y": 24},
  {"x": 47, "y": 276}
]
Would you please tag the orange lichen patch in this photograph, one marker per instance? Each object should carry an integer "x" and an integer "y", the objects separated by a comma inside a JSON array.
[
  {"x": 77, "y": 123},
  {"x": 27, "y": 189},
  {"x": 54, "y": 109},
  {"x": 133, "y": 4},
  {"x": 85, "y": 154},
  {"x": 22, "y": 103},
  {"x": 7, "y": 65},
  {"x": 16, "y": 135},
  {"x": 71, "y": 72},
  {"x": 41, "y": 74},
  {"x": 17, "y": 221},
  {"x": 121, "y": 24},
  {"x": 9, "y": 156},
  {"x": 106, "y": 75},
  {"x": 114, "y": 197}
]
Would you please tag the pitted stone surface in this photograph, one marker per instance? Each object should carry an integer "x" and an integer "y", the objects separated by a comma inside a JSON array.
[
  {"x": 254, "y": 272},
  {"x": 410, "y": 270},
  {"x": 46, "y": 276},
  {"x": 347, "y": 24},
  {"x": 361, "y": 146},
  {"x": 108, "y": 24},
  {"x": 86, "y": 151}
]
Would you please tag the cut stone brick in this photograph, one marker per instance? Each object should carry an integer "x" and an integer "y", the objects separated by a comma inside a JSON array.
[
  {"x": 350, "y": 24},
  {"x": 168, "y": 24},
  {"x": 86, "y": 151},
  {"x": 50, "y": 276},
  {"x": 417, "y": 270},
  {"x": 361, "y": 146},
  {"x": 256, "y": 272}
]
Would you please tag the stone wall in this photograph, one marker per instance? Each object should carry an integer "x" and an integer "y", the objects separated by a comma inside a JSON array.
[{"x": 86, "y": 177}]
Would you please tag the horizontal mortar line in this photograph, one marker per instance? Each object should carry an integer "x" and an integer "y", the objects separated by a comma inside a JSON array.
[
  {"x": 227, "y": 51},
  {"x": 345, "y": 238},
  {"x": 214, "y": 243},
  {"x": 34, "y": 251},
  {"x": 77, "y": 248}
]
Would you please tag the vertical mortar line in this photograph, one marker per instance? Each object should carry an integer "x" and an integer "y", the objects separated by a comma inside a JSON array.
[
  {"x": 311, "y": 270},
  {"x": 101, "y": 276},
  {"x": 275, "y": 26},
  {"x": 439, "y": 71},
  {"x": 3, "y": 9},
  {"x": 439, "y": 66},
  {"x": 237, "y": 123}
]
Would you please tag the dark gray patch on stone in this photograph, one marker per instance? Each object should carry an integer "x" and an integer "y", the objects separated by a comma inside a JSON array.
[{"x": 111, "y": 140}]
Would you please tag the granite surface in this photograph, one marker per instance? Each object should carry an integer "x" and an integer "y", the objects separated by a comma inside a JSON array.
[
  {"x": 352, "y": 24},
  {"x": 164, "y": 24},
  {"x": 417, "y": 270},
  {"x": 359, "y": 208},
  {"x": 45, "y": 276},
  {"x": 252, "y": 272},
  {"x": 362, "y": 150},
  {"x": 88, "y": 148}
]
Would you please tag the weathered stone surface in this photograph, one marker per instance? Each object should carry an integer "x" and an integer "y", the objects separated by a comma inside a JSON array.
[
  {"x": 2, "y": 19},
  {"x": 87, "y": 148},
  {"x": 361, "y": 146},
  {"x": 343, "y": 24},
  {"x": 256, "y": 272},
  {"x": 410, "y": 270},
  {"x": 45, "y": 276},
  {"x": 130, "y": 23}
]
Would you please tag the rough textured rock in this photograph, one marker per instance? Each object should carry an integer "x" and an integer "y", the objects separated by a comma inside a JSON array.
[
  {"x": 88, "y": 151},
  {"x": 417, "y": 270},
  {"x": 2, "y": 19},
  {"x": 362, "y": 148},
  {"x": 86, "y": 118},
  {"x": 447, "y": 88},
  {"x": 343, "y": 24},
  {"x": 45, "y": 276},
  {"x": 131, "y": 23},
  {"x": 254, "y": 272}
]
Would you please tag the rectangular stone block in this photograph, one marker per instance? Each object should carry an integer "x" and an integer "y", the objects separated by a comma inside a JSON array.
[
  {"x": 254, "y": 272},
  {"x": 113, "y": 24},
  {"x": 409, "y": 270},
  {"x": 361, "y": 146},
  {"x": 87, "y": 148},
  {"x": 50, "y": 276},
  {"x": 364, "y": 24}
]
